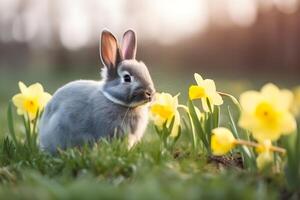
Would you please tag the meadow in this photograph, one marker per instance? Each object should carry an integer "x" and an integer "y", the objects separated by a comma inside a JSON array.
[{"x": 150, "y": 170}]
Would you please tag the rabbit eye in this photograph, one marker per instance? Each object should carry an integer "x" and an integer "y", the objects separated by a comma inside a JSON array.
[{"x": 127, "y": 78}]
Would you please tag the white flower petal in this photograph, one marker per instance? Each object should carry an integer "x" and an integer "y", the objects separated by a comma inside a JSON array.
[
  {"x": 249, "y": 100},
  {"x": 198, "y": 79},
  {"x": 22, "y": 87}
]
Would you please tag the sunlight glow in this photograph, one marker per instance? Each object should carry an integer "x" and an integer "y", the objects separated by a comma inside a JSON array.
[
  {"x": 75, "y": 24},
  {"x": 242, "y": 12},
  {"x": 177, "y": 18},
  {"x": 78, "y": 23},
  {"x": 287, "y": 6},
  {"x": 8, "y": 11}
]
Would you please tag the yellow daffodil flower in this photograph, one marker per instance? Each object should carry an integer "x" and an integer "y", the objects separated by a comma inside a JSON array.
[
  {"x": 265, "y": 155},
  {"x": 163, "y": 109},
  {"x": 31, "y": 99},
  {"x": 266, "y": 113},
  {"x": 205, "y": 89},
  {"x": 296, "y": 102},
  {"x": 222, "y": 141}
]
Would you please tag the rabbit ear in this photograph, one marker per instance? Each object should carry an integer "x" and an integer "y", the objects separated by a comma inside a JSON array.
[
  {"x": 109, "y": 50},
  {"x": 129, "y": 45}
]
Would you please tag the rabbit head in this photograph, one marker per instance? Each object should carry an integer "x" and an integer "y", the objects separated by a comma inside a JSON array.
[{"x": 126, "y": 81}]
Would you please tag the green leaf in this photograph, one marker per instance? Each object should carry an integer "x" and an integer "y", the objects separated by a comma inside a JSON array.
[
  {"x": 208, "y": 124},
  {"x": 298, "y": 148},
  {"x": 292, "y": 169},
  {"x": 26, "y": 122},
  {"x": 34, "y": 131},
  {"x": 178, "y": 135},
  {"x": 170, "y": 128},
  {"x": 197, "y": 125},
  {"x": 189, "y": 129},
  {"x": 165, "y": 131},
  {"x": 216, "y": 116},
  {"x": 10, "y": 121},
  {"x": 209, "y": 105},
  {"x": 247, "y": 155},
  {"x": 159, "y": 132}
]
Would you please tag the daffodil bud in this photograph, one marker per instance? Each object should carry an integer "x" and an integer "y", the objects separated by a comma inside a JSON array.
[
  {"x": 222, "y": 141},
  {"x": 264, "y": 159},
  {"x": 265, "y": 155}
]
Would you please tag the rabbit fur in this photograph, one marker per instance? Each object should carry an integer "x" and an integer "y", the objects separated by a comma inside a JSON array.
[{"x": 84, "y": 111}]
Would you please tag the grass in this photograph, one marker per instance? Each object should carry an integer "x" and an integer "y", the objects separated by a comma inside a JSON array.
[{"x": 110, "y": 171}]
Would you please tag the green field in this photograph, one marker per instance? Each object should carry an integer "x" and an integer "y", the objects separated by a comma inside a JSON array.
[{"x": 110, "y": 171}]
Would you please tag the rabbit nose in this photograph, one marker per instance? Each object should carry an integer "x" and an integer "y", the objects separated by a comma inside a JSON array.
[{"x": 149, "y": 94}]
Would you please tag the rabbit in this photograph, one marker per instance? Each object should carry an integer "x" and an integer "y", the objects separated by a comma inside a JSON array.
[{"x": 84, "y": 111}]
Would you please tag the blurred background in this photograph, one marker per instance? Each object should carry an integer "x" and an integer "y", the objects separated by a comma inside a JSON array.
[{"x": 248, "y": 42}]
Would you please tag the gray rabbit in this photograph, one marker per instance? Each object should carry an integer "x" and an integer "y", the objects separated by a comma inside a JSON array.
[{"x": 84, "y": 111}]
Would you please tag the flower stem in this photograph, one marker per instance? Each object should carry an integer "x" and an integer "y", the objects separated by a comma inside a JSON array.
[
  {"x": 185, "y": 108},
  {"x": 233, "y": 99},
  {"x": 253, "y": 144},
  {"x": 194, "y": 138}
]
